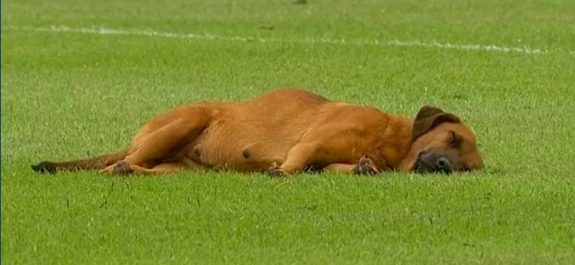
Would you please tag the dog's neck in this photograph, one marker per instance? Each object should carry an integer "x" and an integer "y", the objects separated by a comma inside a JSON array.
[
  {"x": 396, "y": 154},
  {"x": 408, "y": 159}
]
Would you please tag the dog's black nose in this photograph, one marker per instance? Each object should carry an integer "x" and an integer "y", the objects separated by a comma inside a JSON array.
[{"x": 442, "y": 163}]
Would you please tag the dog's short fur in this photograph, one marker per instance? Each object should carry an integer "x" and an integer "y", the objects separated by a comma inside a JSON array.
[{"x": 289, "y": 131}]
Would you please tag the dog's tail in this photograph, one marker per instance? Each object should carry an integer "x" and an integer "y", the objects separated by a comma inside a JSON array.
[{"x": 98, "y": 162}]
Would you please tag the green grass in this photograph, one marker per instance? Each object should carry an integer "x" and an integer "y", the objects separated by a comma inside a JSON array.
[{"x": 68, "y": 94}]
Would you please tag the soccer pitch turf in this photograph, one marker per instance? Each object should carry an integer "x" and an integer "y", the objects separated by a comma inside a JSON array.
[{"x": 80, "y": 77}]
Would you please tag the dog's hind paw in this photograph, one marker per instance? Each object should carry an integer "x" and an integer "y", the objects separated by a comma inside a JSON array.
[
  {"x": 122, "y": 168},
  {"x": 45, "y": 167}
]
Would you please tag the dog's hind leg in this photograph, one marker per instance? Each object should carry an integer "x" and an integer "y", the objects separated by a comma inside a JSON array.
[{"x": 166, "y": 140}]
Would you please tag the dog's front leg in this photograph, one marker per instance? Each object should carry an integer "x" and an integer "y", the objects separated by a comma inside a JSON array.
[
  {"x": 296, "y": 160},
  {"x": 365, "y": 166}
]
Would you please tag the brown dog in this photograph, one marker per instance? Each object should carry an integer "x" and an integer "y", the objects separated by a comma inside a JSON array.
[{"x": 289, "y": 131}]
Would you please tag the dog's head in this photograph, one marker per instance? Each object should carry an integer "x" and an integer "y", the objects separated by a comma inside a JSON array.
[{"x": 442, "y": 143}]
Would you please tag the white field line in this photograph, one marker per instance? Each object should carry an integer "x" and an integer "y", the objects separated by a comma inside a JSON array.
[{"x": 206, "y": 36}]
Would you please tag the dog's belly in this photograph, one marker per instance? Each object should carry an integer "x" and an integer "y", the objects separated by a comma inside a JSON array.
[
  {"x": 239, "y": 146},
  {"x": 256, "y": 134}
]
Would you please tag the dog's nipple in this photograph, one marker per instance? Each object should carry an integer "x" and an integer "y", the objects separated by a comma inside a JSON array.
[{"x": 246, "y": 153}]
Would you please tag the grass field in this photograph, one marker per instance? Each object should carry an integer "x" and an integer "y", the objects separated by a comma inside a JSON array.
[{"x": 70, "y": 89}]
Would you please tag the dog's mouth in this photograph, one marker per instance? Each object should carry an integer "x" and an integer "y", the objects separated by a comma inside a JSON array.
[{"x": 432, "y": 162}]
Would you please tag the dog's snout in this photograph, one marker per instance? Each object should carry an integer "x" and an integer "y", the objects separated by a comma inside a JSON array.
[{"x": 430, "y": 161}]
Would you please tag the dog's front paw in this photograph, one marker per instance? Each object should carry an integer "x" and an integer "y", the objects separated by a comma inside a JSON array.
[
  {"x": 275, "y": 170},
  {"x": 365, "y": 166}
]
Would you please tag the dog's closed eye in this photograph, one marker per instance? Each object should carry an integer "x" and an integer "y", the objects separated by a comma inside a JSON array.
[{"x": 454, "y": 139}]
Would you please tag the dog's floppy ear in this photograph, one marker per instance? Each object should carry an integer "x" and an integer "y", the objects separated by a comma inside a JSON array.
[{"x": 428, "y": 117}]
